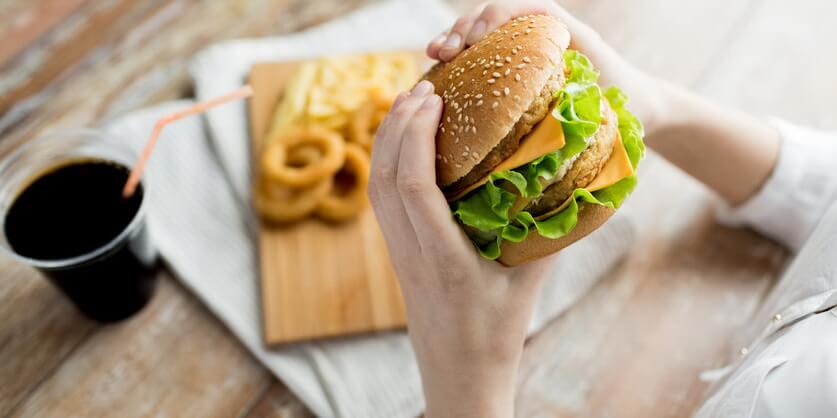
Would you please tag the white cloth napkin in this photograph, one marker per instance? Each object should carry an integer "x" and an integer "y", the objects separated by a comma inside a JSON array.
[{"x": 201, "y": 222}]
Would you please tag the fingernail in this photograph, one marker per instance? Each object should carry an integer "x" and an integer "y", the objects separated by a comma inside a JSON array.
[
  {"x": 423, "y": 88},
  {"x": 454, "y": 40},
  {"x": 439, "y": 39},
  {"x": 431, "y": 102},
  {"x": 477, "y": 32}
]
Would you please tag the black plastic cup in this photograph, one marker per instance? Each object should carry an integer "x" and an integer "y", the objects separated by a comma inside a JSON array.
[{"x": 108, "y": 280}]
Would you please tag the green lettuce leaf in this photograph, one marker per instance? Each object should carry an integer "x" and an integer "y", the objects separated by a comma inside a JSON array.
[
  {"x": 578, "y": 107},
  {"x": 629, "y": 126},
  {"x": 581, "y": 69}
]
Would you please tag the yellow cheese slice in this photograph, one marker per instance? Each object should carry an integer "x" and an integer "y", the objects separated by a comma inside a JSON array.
[
  {"x": 547, "y": 137},
  {"x": 616, "y": 168}
]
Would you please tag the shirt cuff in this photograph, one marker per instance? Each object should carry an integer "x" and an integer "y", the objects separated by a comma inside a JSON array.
[{"x": 797, "y": 193}]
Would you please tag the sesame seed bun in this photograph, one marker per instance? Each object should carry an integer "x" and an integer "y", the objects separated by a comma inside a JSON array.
[{"x": 494, "y": 93}]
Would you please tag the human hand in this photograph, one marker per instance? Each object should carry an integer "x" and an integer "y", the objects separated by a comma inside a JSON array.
[
  {"x": 646, "y": 93},
  {"x": 467, "y": 316}
]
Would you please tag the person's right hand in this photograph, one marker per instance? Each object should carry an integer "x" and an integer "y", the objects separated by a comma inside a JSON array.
[{"x": 615, "y": 70}]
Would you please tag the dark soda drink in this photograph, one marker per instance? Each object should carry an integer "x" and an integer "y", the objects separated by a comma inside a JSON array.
[{"x": 92, "y": 243}]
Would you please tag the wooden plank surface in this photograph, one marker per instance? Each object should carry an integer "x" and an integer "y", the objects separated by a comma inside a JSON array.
[
  {"x": 319, "y": 280},
  {"x": 630, "y": 348}
]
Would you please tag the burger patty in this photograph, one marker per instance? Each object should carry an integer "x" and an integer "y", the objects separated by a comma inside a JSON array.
[
  {"x": 584, "y": 169},
  {"x": 536, "y": 113}
]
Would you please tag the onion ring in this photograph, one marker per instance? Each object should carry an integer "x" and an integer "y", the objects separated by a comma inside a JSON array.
[
  {"x": 344, "y": 203},
  {"x": 275, "y": 158},
  {"x": 282, "y": 204},
  {"x": 366, "y": 119}
]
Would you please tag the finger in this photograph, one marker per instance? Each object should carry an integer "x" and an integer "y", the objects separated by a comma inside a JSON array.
[
  {"x": 491, "y": 18},
  {"x": 435, "y": 45},
  {"x": 425, "y": 204},
  {"x": 383, "y": 192},
  {"x": 455, "y": 41}
]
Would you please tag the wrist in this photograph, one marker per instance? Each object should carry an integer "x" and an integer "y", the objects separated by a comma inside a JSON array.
[
  {"x": 485, "y": 393},
  {"x": 654, "y": 107}
]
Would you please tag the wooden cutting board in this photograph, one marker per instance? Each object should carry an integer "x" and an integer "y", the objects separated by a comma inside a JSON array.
[{"x": 319, "y": 280}]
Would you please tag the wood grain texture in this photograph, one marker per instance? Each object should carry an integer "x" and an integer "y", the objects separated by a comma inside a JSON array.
[
  {"x": 631, "y": 348},
  {"x": 28, "y": 23},
  {"x": 173, "y": 356},
  {"x": 318, "y": 279}
]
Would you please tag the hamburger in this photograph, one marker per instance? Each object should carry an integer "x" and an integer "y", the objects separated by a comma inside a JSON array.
[{"x": 532, "y": 154}]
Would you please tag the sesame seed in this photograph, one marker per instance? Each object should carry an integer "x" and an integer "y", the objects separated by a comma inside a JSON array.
[
  {"x": 497, "y": 57},
  {"x": 448, "y": 119},
  {"x": 475, "y": 155},
  {"x": 517, "y": 77},
  {"x": 474, "y": 129},
  {"x": 438, "y": 156},
  {"x": 496, "y": 75},
  {"x": 496, "y": 93},
  {"x": 488, "y": 65},
  {"x": 455, "y": 127},
  {"x": 508, "y": 59},
  {"x": 498, "y": 65},
  {"x": 465, "y": 154},
  {"x": 520, "y": 66},
  {"x": 458, "y": 165},
  {"x": 445, "y": 160},
  {"x": 479, "y": 96},
  {"x": 495, "y": 105},
  {"x": 460, "y": 83},
  {"x": 526, "y": 60},
  {"x": 442, "y": 129},
  {"x": 506, "y": 91},
  {"x": 491, "y": 81},
  {"x": 467, "y": 148},
  {"x": 508, "y": 70},
  {"x": 484, "y": 72},
  {"x": 528, "y": 30},
  {"x": 459, "y": 118},
  {"x": 479, "y": 103},
  {"x": 514, "y": 52}
]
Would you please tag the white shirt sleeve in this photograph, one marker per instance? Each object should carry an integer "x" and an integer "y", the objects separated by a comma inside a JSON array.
[
  {"x": 798, "y": 192},
  {"x": 806, "y": 384}
]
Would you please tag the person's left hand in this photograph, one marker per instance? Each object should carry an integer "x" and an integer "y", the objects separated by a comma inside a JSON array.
[{"x": 467, "y": 316}]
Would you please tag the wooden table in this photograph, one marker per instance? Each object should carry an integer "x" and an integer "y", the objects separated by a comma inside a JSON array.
[{"x": 633, "y": 347}]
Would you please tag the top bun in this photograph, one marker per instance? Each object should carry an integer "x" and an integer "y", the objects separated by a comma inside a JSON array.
[{"x": 494, "y": 92}]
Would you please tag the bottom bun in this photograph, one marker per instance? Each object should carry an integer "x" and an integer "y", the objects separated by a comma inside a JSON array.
[{"x": 590, "y": 217}]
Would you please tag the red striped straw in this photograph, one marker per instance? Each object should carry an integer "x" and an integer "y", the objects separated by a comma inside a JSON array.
[{"x": 139, "y": 167}]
